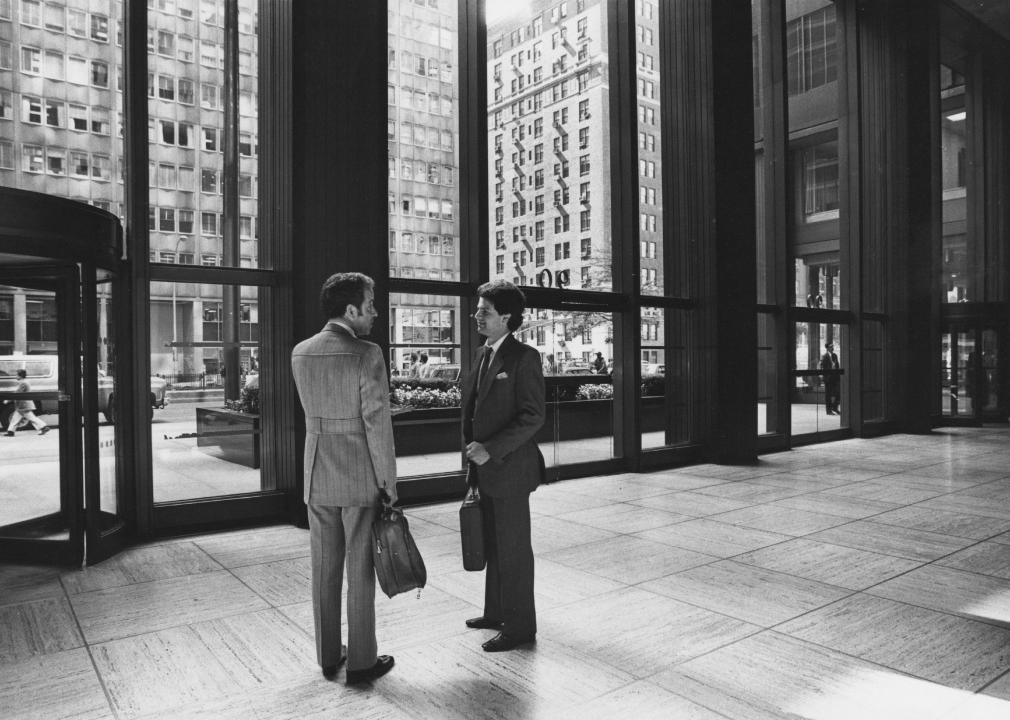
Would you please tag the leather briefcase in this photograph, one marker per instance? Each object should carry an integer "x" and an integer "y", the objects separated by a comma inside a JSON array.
[
  {"x": 471, "y": 532},
  {"x": 398, "y": 563}
]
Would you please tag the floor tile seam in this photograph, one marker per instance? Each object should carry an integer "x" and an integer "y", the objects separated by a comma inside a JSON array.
[
  {"x": 1002, "y": 624},
  {"x": 760, "y": 628},
  {"x": 876, "y": 663},
  {"x": 1005, "y": 674},
  {"x": 876, "y": 552},
  {"x": 144, "y": 582},
  {"x": 91, "y": 658},
  {"x": 632, "y": 533},
  {"x": 244, "y": 564},
  {"x": 937, "y": 532},
  {"x": 961, "y": 511},
  {"x": 183, "y": 624},
  {"x": 251, "y": 589},
  {"x": 147, "y": 582},
  {"x": 849, "y": 521}
]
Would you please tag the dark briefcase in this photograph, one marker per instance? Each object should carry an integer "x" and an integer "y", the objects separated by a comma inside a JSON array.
[
  {"x": 398, "y": 563},
  {"x": 471, "y": 532}
]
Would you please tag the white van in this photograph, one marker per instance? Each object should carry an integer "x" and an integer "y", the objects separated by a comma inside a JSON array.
[{"x": 43, "y": 376}]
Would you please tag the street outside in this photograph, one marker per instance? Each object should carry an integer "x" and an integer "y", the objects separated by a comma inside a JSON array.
[{"x": 30, "y": 486}]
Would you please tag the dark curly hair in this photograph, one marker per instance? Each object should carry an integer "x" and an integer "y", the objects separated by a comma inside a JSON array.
[
  {"x": 507, "y": 300},
  {"x": 341, "y": 290}
]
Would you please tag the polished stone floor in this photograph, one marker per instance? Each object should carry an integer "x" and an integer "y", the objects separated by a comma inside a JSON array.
[{"x": 853, "y": 580}]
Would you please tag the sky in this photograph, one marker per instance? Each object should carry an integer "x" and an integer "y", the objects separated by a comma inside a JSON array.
[{"x": 498, "y": 9}]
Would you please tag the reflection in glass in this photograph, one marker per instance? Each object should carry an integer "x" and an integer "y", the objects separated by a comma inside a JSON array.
[
  {"x": 31, "y": 462},
  {"x": 576, "y": 349},
  {"x": 664, "y": 390},
  {"x": 422, "y": 133},
  {"x": 767, "y": 369},
  {"x": 204, "y": 442},
  {"x": 959, "y": 366},
  {"x": 989, "y": 388},
  {"x": 425, "y": 374},
  {"x": 548, "y": 153},
  {"x": 811, "y": 72},
  {"x": 61, "y": 101},
  {"x": 188, "y": 136},
  {"x": 820, "y": 385},
  {"x": 958, "y": 268},
  {"x": 650, "y": 175},
  {"x": 106, "y": 379}
]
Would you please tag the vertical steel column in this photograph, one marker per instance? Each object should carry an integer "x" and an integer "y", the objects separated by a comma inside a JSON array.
[{"x": 230, "y": 294}]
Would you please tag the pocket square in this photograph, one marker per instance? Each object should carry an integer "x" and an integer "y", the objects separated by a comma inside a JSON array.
[{"x": 501, "y": 376}]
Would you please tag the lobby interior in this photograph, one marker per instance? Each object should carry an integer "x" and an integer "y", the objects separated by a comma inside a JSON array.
[{"x": 711, "y": 541}]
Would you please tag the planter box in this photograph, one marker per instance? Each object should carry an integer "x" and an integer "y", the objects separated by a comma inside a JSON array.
[
  {"x": 417, "y": 432},
  {"x": 230, "y": 435}
]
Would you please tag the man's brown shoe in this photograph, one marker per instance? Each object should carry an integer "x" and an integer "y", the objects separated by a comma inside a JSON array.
[{"x": 483, "y": 623}]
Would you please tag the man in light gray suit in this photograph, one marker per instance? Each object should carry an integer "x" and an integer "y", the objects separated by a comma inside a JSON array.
[{"x": 349, "y": 457}]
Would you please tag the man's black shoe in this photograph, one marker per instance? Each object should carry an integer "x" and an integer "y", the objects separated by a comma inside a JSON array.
[
  {"x": 330, "y": 670},
  {"x": 482, "y": 623},
  {"x": 502, "y": 642},
  {"x": 382, "y": 666}
]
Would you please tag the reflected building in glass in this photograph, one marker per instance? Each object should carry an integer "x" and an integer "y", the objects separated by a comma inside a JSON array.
[
  {"x": 61, "y": 124},
  {"x": 549, "y": 161},
  {"x": 422, "y": 133}
]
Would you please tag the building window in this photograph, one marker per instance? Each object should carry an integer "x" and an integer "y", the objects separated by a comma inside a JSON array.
[
  {"x": 80, "y": 165},
  {"x": 31, "y": 61},
  {"x": 99, "y": 74},
  {"x": 32, "y": 158},
  {"x": 811, "y": 58},
  {"x": 583, "y": 165},
  {"x": 186, "y": 91},
  {"x": 584, "y": 220},
  {"x": 208, "y": 224},
  {"x": 99, "y": 28},
  {"x": 56, "y": 161},
  {"x": 820, "y": 182},
  {"x": 208, "y": 181}
]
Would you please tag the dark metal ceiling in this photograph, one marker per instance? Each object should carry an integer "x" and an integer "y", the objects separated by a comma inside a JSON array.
[{"x": 993, "y": 13}]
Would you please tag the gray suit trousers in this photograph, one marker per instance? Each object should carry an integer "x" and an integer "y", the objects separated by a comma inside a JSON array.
[{"x": 336, "y": 532}]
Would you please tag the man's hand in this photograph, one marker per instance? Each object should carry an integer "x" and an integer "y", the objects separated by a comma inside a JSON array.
[{"x": 476, "y": 452}]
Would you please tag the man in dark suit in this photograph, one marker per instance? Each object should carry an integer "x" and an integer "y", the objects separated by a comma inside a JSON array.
[
  {"x": 832, "y": 382},
  {"x": 503, "y": 408}
]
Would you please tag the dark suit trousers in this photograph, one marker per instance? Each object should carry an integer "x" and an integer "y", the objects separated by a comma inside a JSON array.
[{"x": 508, "y": 588}]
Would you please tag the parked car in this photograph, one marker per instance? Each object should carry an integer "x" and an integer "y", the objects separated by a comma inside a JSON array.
[
  {"x": 653, "y": 369},
  {"x": 43, "y": 376},
  {"x": 444, "y": 371}
]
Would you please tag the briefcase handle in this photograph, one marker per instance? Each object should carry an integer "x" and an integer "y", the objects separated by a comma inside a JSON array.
[{"x": 472, "y": 491}]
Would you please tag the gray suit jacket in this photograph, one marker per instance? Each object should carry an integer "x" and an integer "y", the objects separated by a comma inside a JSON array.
[
  {"x": 504, "y": 414},
  {"x": 344, "y": 391}
]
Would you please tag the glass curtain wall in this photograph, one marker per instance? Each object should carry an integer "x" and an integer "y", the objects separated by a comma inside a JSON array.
[
  {"x": 61, "y": 100},
  {"x": 813, "y": 34},
  {"x": 203, "y": 170},
  {"x": 426, "y": 326}
]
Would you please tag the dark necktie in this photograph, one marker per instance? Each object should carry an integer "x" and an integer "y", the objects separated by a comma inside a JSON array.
[{"x": 484, "y": 362}]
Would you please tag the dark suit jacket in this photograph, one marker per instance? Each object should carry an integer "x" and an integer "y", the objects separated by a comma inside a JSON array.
[{"x": 504, "y": 414}]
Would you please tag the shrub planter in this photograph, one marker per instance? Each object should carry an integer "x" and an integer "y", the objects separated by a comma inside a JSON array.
[
  {"x": 230, "y": 435},
  {"x": 436, "y": 430}
]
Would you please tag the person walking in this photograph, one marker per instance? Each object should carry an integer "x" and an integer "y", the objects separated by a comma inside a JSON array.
[
  {"x": 832, "y": 382},
  {"x": 349, "y": 463},
  {"x": 24, "y": 409},
  {"x": 503, "y": 408}
]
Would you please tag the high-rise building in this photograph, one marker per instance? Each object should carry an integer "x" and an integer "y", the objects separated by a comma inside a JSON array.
[
  {"x": 422, "y": 130},
  {"x": 61, "y": 125}
]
